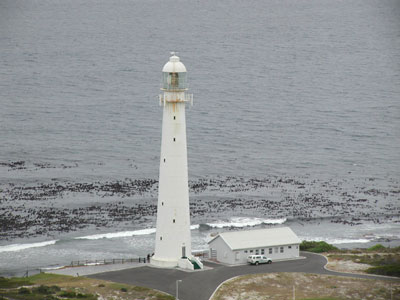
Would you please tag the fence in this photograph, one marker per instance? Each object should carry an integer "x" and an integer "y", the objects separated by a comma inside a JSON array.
[{"x": 87, "y": 262}]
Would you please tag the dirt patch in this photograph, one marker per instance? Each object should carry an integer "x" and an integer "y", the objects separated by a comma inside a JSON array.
[
  {"x": 361, "y": 261},
  {"x": 280, "y": 286},
  {"x": 347, "y": 266}
]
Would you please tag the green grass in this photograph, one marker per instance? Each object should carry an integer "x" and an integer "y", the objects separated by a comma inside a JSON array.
[
  {"x": 14, "y": 282},
  {"x": 46, "y": 278},
  {"x": 320, "y": 299}
]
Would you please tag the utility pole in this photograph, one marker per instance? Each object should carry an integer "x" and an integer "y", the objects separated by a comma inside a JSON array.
[{"x": 177, "y": 289}]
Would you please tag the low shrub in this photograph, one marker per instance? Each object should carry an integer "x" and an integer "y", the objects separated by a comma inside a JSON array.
[
  {"x": 317, "y": 247},
  {"x": 55, "y": 288},
  {"x": 44, "y": 290},
  {"x": 24, "y": 291},
  {"x": 67, "y": 294},
  {"x": 387, "y": 270},
  {"x": 124, "y": 290},
  {"x": 377, "y": 247}
]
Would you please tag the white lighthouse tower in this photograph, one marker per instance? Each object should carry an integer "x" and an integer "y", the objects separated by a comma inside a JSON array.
[{"x": 173, "y": 240}]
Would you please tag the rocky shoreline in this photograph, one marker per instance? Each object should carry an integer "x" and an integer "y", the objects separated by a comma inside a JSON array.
[{"x": 59, "y": 206}]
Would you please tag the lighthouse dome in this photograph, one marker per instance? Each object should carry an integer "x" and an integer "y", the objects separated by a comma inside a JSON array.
[
  {"x": 174, "y": 65},
  {"x": 174, "y": 75}
]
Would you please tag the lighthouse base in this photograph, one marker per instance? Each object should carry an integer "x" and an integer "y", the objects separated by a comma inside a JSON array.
[
  {"x": 163, "y": 262},
  {"x": 182, "y": 263}
]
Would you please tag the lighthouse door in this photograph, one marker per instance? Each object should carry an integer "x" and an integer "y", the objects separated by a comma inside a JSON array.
[{"x": 183, "y": 252}]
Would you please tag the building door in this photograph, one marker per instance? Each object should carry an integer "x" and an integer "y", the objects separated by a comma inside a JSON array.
[
  {"x": 213, "y": 253},
  {"x": 183, "y": 251},
  {"x": 236, "y": 256}
]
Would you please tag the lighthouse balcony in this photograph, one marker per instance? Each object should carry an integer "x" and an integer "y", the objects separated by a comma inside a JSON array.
[{"x": 180, "y": 98}]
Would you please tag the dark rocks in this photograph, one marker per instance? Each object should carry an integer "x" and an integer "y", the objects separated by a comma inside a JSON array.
[{"x": 57, "y": 206}]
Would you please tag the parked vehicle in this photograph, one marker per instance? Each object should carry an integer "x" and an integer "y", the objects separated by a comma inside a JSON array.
[{"x": 258, "y": 259}]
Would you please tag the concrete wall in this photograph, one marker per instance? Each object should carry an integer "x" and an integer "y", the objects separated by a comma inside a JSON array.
[{"x": 226, "y": 255}]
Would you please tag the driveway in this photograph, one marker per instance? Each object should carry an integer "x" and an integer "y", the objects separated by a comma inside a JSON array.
[{"x": 200, "y": 285}]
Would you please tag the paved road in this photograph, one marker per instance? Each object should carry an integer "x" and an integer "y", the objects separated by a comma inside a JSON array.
[{"x": 200, "y": 285}]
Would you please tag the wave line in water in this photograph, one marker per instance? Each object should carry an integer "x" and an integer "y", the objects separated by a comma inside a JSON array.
[
  {"x": 117, "y": 234},
  {"x": 240, "y": 222},
  {"x": 124, "y": 233},
  {"x": 337, "y": 241},
  {"x": 19, "y": 247}
]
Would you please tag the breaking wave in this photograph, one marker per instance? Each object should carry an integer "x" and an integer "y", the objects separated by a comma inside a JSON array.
[
  {"x": 123, "y": 234},
  {"x": 117, "y": 234},
  {"x": 19, "y": 247},
  {"x": 338, "y": 241},
  {"x": 240, "y": 222}
]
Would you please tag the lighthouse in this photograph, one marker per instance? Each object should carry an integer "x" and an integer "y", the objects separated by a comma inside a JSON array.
[{"x": 173, "y": 238}]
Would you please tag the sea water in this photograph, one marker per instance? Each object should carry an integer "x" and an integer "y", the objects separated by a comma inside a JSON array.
[{"x": 307, "y": 90}]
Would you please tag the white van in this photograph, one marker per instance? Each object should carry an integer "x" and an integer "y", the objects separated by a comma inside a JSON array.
[{"x": 258, "y": 259}]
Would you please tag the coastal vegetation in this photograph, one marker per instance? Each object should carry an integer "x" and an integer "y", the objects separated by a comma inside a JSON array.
[
  {"x": 380, "y": 260},
  {"x": 59, "y": 287},
  {"x": 317, "y": 247},
  {"x": 306, "y": 287}
]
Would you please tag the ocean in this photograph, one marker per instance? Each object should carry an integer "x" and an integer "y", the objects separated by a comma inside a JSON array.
[{"x": 295, "y": 122}]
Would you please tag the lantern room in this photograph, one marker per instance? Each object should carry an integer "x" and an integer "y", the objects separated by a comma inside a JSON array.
[{"x": 174, "y": 75}]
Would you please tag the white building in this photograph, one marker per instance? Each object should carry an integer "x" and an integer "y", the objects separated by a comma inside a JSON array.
[
  {"x": 234, "y": 247},
  {"x": 173, "y": 240}
]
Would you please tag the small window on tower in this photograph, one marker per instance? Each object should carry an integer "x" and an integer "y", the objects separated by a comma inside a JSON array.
[
  {"x": 164, "y": 159},
  {"x": 162, "y": 203},
  {"x": 174, "y": 118},
  {"x": 173, "y": 220},
  {"x": 160, "y": 238},
  {"x": 174, "y": 139}
]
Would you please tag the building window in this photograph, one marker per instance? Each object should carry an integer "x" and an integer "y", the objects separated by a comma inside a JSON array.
[
  {"x": 173, "y": 221},
  {"x": 164, "y": 159},
  {"x": 160, "y": 238},
  {"x": 262, "y": 251},
  {"x": 276, "y": 249},
  {"x": 251, "y": 251},
  {"x": 257, "y": 252},
  {"x": 270, "y": 250},
  {"x": 281, "y": 249},
  {"x": 290, "y": 247},
  {"x": 174, "y": 139},
  {"x": 174, "y": 118},
  {"x": 162, "y": 203},
  {"x": 245, "y": 251}
]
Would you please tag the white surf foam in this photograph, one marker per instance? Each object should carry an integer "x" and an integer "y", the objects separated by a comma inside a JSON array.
[
  {"x": 117, "y": 234},
  {"x": 337, "y": 241},
  {"x": 19, "y": 247},
  {"x": 124, "y": 234},
  {"x": 245, "y": 222},
  {"x": 52, "y": 268}
]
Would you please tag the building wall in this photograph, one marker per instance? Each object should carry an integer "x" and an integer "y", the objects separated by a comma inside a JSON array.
[
  {"x": 228, "y": 256},
  {"x": 289, "y": 251},
  {"x": 224, "y": 253}
]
